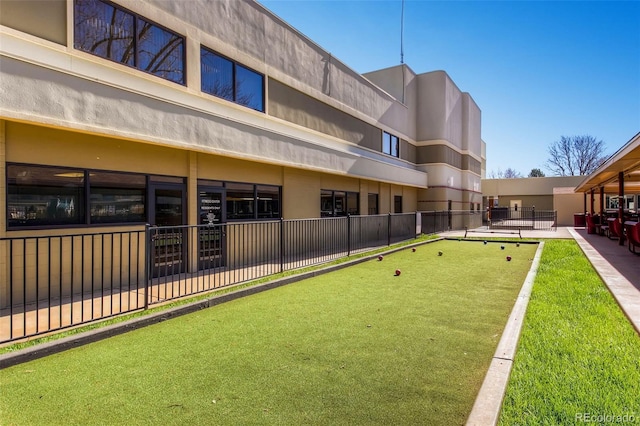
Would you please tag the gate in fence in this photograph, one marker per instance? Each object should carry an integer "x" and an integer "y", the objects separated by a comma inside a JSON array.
[{"x": 522, "y": 218}]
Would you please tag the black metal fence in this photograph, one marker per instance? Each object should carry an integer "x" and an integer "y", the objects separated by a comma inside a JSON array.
[
  {"x": 522, "y": 218},
  {"x": 48, "y": 283},
  {"x": 53, "y": 282},
  {"x": 450, "y": 220}
]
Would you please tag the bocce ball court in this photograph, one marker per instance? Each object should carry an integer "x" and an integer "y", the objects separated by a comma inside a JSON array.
[{"x": 402, "y": 339}]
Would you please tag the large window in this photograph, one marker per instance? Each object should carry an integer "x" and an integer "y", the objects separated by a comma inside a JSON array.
[
  {"x": 268, "y": 200},
  {"x": 108, "y": 31},
  {"x": 51, "y": 196},
  {"x": 373, "y": 203},
  {"x": 246, "y": 201},
  {"x": 226, "y": 79},
  {"x": 397, "y": 204},
  {"x": 390, "y": 144},
  {"x": 39, "y": 196},
  {"x": 613, "y": 202},
  {"x": 116, "y": 197},
  {"x": 338, "y": 203}
]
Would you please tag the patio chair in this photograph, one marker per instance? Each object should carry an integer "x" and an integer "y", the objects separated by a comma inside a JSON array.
[
  {"x": 632, "y": 230},
  {"x": 593, "y": 224},
  {"x": 615, "y": 230}
]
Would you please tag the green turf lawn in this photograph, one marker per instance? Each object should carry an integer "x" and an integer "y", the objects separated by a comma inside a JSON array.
[
  {"x": 578, "y": 354},
  {"x": 355, "y": 346}
]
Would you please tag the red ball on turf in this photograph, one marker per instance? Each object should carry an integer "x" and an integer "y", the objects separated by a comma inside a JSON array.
[
  {"x": 413, "y": 249},
  {"x": 397, "y": 272},
  {"x": 508, "y": 258},
  {"x": 380, "y": 257}
]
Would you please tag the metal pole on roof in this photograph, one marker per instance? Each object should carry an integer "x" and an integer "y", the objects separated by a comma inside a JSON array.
[
  {"x": 402, "y": 34},
  {"x": 402, "y": 49}
]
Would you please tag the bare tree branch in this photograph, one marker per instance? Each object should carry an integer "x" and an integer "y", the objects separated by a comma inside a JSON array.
[
  {"x": 512, "y": 174},
  {"x": 575, "y": 155}
]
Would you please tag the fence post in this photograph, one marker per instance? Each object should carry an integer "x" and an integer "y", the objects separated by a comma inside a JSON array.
[
  {"x": 533, "y": 217},
  {"x": 348, "y": 235},
  {"x": 147, "y": 263},
  {"x": 281, "y": 244},
  {"x": 389, "y": 229}
]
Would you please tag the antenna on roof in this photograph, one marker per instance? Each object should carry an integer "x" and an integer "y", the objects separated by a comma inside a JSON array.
[
  {"x": 402, "y": 34},
  {"x": 402, "y": 50}
]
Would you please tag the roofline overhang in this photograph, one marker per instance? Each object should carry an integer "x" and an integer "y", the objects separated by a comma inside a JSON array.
[{"x": 597, "y": 178}]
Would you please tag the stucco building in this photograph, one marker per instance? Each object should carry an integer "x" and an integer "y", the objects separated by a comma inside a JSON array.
[
  {"x": 117, "y": 110},
  {"x": 117, "y": 114}
]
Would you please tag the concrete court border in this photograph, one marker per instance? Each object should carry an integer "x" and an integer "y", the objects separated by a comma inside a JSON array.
[
  {"x": 487, "y": 406},
  {"x": 83, "y": 338}
]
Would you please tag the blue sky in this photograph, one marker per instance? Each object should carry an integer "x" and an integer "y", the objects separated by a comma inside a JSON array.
[{"x": 538, "y": 70}]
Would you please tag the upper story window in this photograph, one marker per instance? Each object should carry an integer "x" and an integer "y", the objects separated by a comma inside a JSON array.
[
  {"x": 390, "y": 144},
  {"x": 111, "y": 32},
  {"x": 226, "y": 79}
]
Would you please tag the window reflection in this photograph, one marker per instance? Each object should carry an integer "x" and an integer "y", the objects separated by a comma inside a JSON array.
[
  {"x": 116, "y": 197},
  {"x": 268, "y": 202},
  {"x": 107, "y": 31},
  {"x": 160, "y": 52},
  {"x": 226, "y": 79},
  {"x": 44, "y": 196},
  {"x": 373, "y": 203},
  {"x": 390, "y": 144},
  {"x": 249, "y": 88},
  {"x": 217, "y": 75},
  {"x": 240, "y": 201},
  {"x": 338, "y": 203}
]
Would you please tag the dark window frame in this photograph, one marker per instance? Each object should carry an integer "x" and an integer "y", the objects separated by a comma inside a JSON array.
[
  {"x": 394, "y": 144},
  {"x": 397, "y": 203},
  {"x": 375, "y": 209},
  {"x": 103, "y": 188},
  {"x": 204, "y": 50},
  {"x": 135, "y": 45},
  {"x": 335, "y": 208},
  {"x": 255, "y": 214},
  {"x": 85, "y": 208}
]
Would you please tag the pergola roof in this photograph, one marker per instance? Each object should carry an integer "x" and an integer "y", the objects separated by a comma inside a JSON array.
[{"x": 625, "y": 161}]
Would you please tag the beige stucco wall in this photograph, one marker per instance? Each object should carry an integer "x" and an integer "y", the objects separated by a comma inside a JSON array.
[
  {"x": 402, "y": 83},
  {"x": 42, "y": 18},
  {"x": 527, "y": 186},
  {"x": 567, "y": 205},
  {"x": 42, "y": 145},
  {"x": 65, "y": 77},
  {"x": 254, "y": 36},
  {"x": 301, "y": 188}
]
